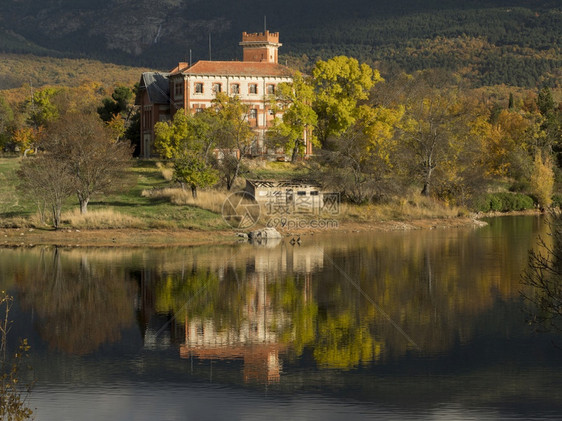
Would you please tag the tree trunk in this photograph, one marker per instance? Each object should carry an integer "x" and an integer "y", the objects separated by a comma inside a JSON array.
[
  {"x": 425, "y": 190},
  {"x": 83, "y": 205},
  {"x": 194, "y": 191},
  {"x": 295, "y": 152},
  {"x": 230, "y": 182},
  {"x": 427, "y": 182},
  {"x": 56, "y": 216}
]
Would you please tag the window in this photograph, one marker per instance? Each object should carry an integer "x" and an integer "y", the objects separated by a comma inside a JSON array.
[
  {"x": 314, "y": 193},
  {"x": 270, "y": 89},
  {"x": 199, "y": 110},
  {"x": 178, "y": 90},
  {"x": 235, "y": 89},
  {"x": 253, "y": 88},
  {"x": 253, "y": 113},
  {"x": 217, "y": 87},
  {"x": 198, "y": 88},
  {"x": 301, "y": 193}
]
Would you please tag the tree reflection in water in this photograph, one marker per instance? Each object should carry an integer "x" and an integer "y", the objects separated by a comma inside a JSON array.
[
  {"x": 543, "y": 279},
  {"x": 273, "y": 307},
  {"x": 265, "y": 303},
  {"x": 80, "y": 300}
]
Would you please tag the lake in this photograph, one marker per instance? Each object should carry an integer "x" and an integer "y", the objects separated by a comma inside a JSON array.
[{"x": 396, "y": 325}]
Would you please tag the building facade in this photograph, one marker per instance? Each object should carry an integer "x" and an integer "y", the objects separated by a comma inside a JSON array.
[{"x": 192, "y": 88}]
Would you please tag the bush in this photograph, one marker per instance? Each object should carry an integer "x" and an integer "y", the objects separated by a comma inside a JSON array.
[
  {"x": 519, "y": 187},
  {"x": 504, "y": 202},
  {"x": 557, "y": 200}
]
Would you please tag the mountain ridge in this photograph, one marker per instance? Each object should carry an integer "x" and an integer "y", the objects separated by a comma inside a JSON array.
[{"x": 403, "y": 35}]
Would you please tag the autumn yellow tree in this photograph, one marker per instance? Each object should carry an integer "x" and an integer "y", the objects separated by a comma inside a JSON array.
[
  {"x": 542, "y": 180},
  {"x": 340, "y": 84},
  {"x": 361, "y": 162}
]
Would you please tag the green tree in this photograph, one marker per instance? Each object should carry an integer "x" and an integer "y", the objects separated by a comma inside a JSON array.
[
  {"x": 187, "y": 133},
  {"x": 195, "y": 172},
  {"x": 293, "y": 130},
  {"x": 119, "y": 103},
  {"x": 234, "y": 136},
  {"x": 340, "y": 84},
  {"x": 545, "y": 101},
  {"x": 173, "y": 139},
  {"x": 188, "y": 140},
  {"x": 120, "y": 114}
]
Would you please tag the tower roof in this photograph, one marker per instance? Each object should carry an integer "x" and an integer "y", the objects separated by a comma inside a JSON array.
[{"x": 260, "y": 38}]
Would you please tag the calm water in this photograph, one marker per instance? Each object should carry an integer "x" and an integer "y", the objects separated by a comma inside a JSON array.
[{"x": 408, "y": 325}]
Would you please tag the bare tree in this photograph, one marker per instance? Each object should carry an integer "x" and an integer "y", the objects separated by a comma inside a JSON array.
[
  {"x": 544, "y": 277},
  {"x": 352, "y": 165},
  {"x": 14, "y": 393},
  {"x": 95, "y": 162},
  {"x": 48, "y": 180}
]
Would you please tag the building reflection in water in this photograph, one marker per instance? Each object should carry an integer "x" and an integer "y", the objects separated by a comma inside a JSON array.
[{"x": 256, "y": 340}]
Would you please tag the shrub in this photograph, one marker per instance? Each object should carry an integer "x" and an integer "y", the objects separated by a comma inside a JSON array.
[
  {"x": 557, "y": 200},
  {"x": 503, "y": 202}
]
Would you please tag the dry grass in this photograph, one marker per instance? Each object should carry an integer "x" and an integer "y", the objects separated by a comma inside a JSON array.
[
  {"x": 414, "y": 207},
  {"x": 100, "y": 219},
  {"x": 166, "y": 170},
  {"x": 32, "y": 221},
  {"x": 16, "y": 222},
  {"x": 211, "y": 200}
]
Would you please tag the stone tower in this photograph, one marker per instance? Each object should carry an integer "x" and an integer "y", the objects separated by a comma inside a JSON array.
[{"x": 261, "y": 47}]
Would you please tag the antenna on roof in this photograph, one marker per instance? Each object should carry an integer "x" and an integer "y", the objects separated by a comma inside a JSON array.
[
  {"x": 190, "y": 62},
  {"x": 264, "y": 24},
  {"x": 210, "y": 57}
]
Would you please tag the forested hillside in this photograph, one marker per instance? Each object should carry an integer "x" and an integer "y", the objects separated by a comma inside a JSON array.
[
  {"x": 19, "y": 69},
  {"x": 493, "y": 42}
]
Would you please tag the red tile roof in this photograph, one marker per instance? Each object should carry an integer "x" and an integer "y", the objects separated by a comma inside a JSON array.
[{"x": 236, "y": 68}]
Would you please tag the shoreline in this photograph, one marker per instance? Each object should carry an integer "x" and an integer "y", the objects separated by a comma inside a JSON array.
[{"x": 130, "y": 237}]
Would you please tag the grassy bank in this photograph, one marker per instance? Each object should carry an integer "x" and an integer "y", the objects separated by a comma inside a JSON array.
[
  {"x": 153, "y": 211},
  {"x": 129, "y": 209},
  {"x": 153, "y": 201}
]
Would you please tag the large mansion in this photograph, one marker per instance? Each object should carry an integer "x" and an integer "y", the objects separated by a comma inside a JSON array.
[{"x": 193, "y": 88}]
